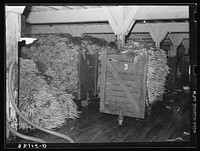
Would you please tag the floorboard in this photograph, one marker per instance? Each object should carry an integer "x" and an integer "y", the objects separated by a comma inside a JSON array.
[{"x": 170, "y": 119}]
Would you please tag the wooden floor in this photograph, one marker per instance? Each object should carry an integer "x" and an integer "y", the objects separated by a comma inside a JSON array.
[{"x": 169, "y": 121}]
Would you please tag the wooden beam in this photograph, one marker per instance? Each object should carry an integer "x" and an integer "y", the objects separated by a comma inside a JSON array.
[
  {"x": 142, "y": 103},
  {"x": 45, "y": 29},
  {"x": 13, "y": 34},
  {"x": 128, "y": 23},
  {"x": 97, "y": 14},
  {"x": 174, "y": 27},
  {"x": 54, "y": 7},
  {"x": 162, "y": 12},
  {"x": 15, "y": 9},
  {"x": 23, "y": 26},
  {"x": 118, "y": 14},
  {"x": 111, "y": 20},
  {"x": 68, "y": 7},
  {"x": 158, "y": 32},
  {"x": 176, "y": 39},
  {"x": 66, "y": 16},
  {"x": 107, "y": 37},
  {"x": 105, "y": 28},
  {"x": 59, "y": 7},
  {"x": 76, "y": 31}
]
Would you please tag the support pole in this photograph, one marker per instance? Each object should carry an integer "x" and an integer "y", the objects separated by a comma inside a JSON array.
[
  {"x": 172, "y": 55},
  {"x": 13, "y": 34},
  {"x": 120, "y": 41}
]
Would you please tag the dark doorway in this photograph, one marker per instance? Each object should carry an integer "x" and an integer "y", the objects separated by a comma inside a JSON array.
[{"x": 88, "y": 69}]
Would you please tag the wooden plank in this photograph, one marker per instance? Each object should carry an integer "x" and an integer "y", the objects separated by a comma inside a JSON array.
[
  {"x": 79, "y": 71},
  {"x": 158, "y": 32},
  {"x": 13, "y": 34},
  {"x": 129, "y": 22},
  {"x": 142, "y": 103},
  {"x": 67, "y": 16},
  {"x": 96, "y": 74},
  {"x": 162, "y": 12},
  {"x": 23, "y": 26},
  {"x": 95, "y": 28},
  {"x": 118, "y": 88},
  {"x": 121, "y": 103},
  {"x": 15, "y": 9},
  {"x": 130, "y": 97},
  {"x": 121, "y": 94},
  {"x": 177, "y": 39},
  {"x": 126, "y": 77},
  {"x": 118, "y": 98},
  {"x": 110, "y": 97},
  {"x": 112, "y": 102},
  {"x": 96, "y": 14},
  {"x": 133, "y": 83},
  {"x": 129, "y": 113},
  {"x": 114, "y": 109},
  {"x": 103, "y": 81},
  {"x": 118, "y": 58},
  {"x": 127, "y": 67},
  {"x": 110, "y": 18},
  {"x": 111, "y": 111}
]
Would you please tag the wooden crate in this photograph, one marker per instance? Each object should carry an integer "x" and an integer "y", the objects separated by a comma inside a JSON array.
[{"x": 123, "y": 87}]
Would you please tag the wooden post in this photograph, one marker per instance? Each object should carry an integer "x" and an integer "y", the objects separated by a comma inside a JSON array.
[
  {"x": 103, "y": 80},
  {"x": 79, "y": 81},
  {"x": 96, "y": 74},
  {"x": 23, "y": 26},
  {"x": 120, "y": 41},
  {"x": 13, "y": 34},
  {"x": 173, "y": 57}
]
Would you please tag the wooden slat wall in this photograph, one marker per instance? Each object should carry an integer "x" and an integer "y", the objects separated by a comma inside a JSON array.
[
  {"x": 123, "y": 89},
  {"x": 132, "y": 68},
  {"x": 126, "y": 77},
  {"x": 122, "y": 85},
  {"x": 132, "y": 89},
  {"x": 121, "y": 94}
]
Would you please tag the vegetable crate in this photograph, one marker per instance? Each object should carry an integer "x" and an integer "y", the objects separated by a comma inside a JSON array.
[{"x": 123, "y": 86}]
